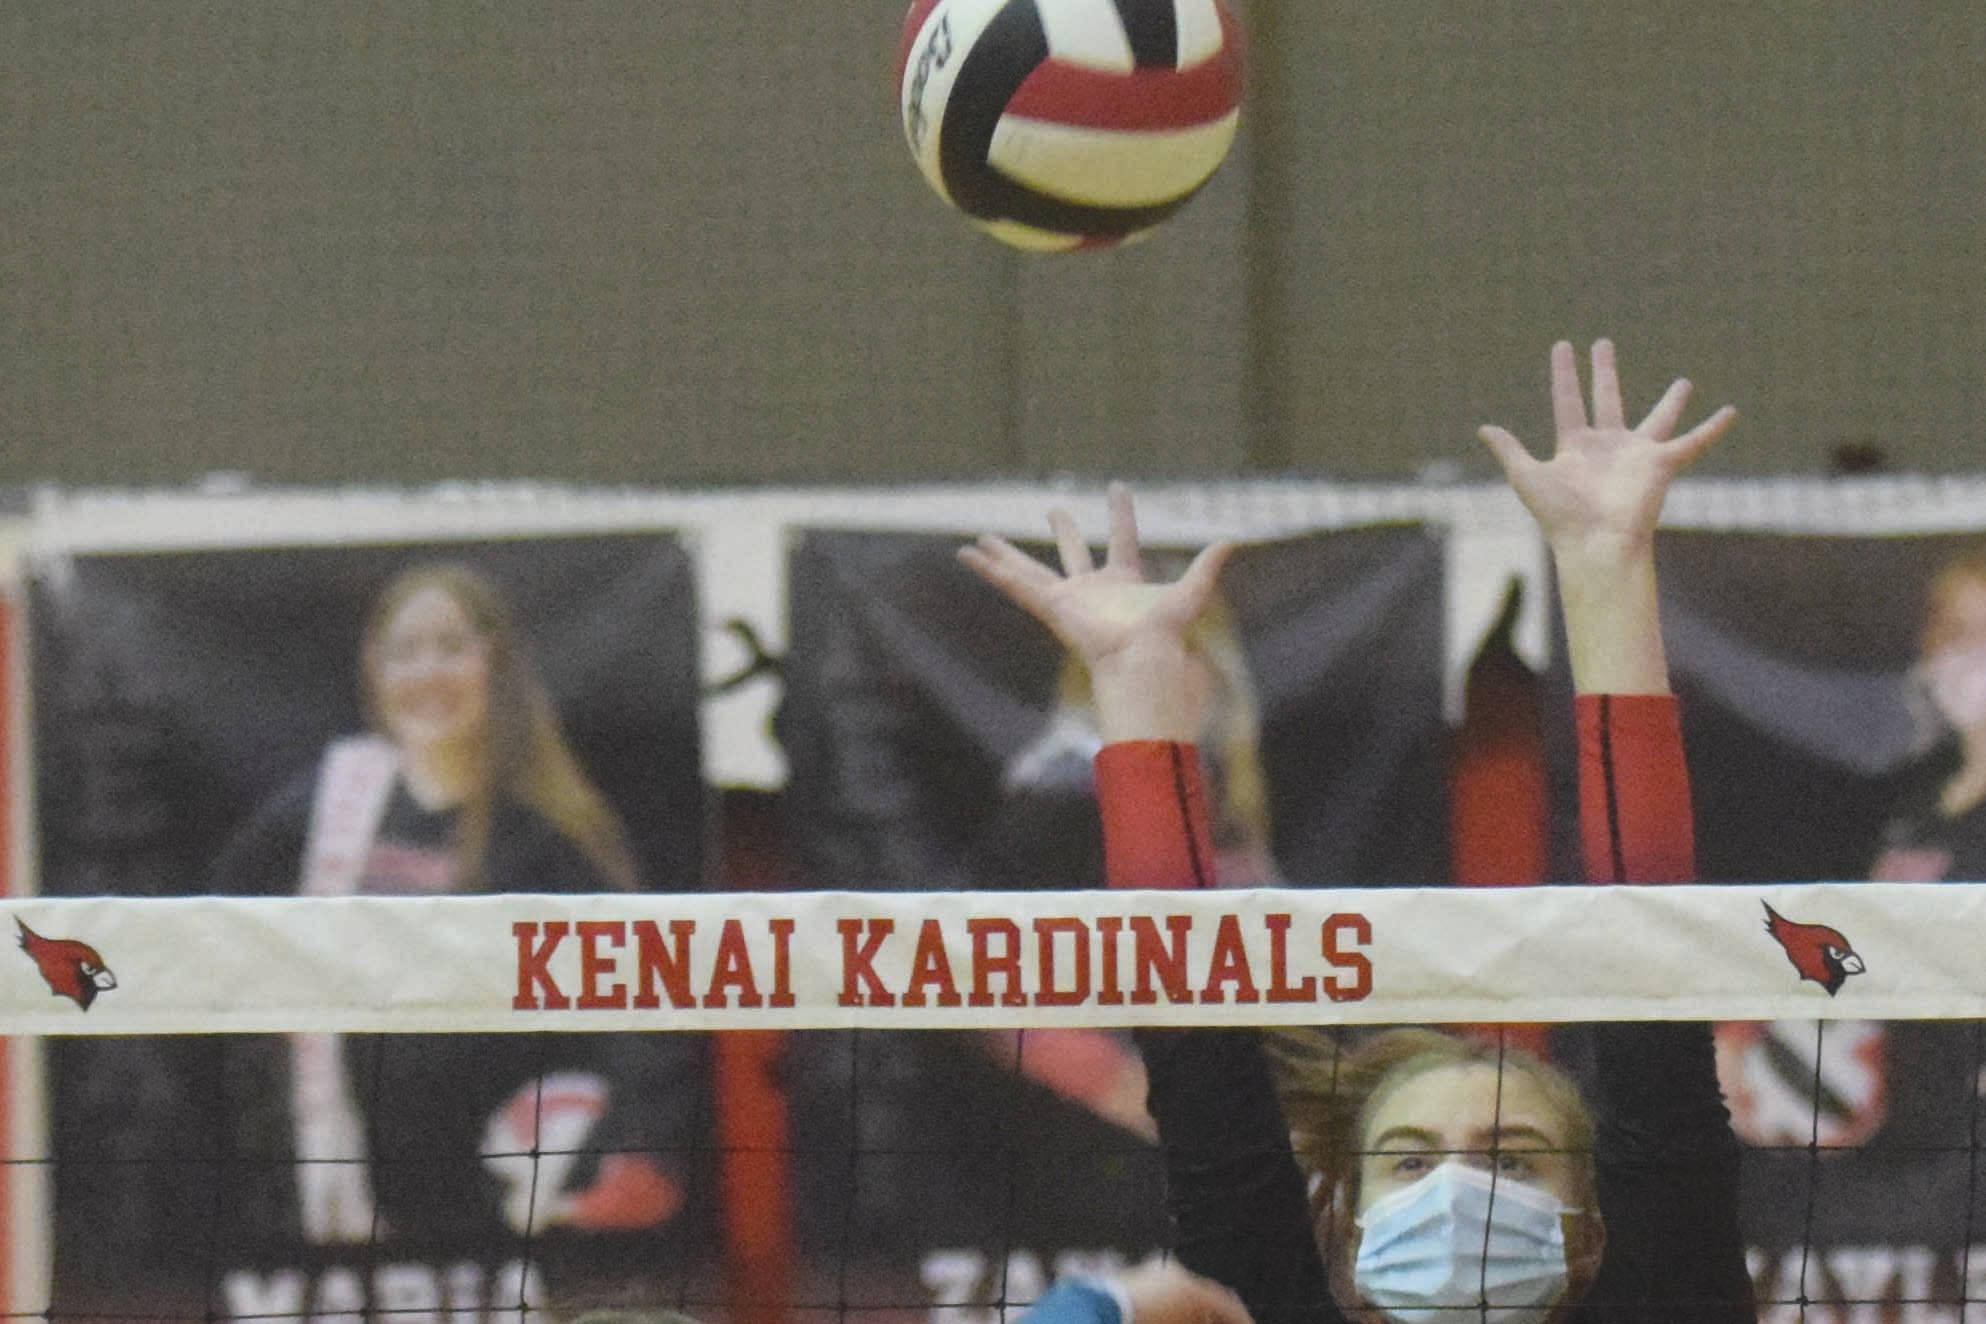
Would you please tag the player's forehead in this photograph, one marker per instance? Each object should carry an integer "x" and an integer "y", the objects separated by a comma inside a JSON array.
[
  {"x": 1466, "y": 1103},
  {"x": 429, "y": 609}
]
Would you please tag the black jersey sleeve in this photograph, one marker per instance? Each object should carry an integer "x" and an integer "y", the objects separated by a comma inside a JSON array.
[
  {"x": 1667, "y": 1167},
  {"x": 1234, "y": 1194},
  {"x": 1666, "y": 1161},
  {"x": 1233, "y": 1191}
]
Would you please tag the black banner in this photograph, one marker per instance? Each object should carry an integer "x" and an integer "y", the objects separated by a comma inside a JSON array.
[
  {"x": 939, "y": 740},
  {"x": 1828, "y": 688},
  {"x": 514, "y": 715}
]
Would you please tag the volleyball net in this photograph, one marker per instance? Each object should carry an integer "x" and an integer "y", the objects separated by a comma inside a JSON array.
[
  {"x": 242, "y": 1083},
  {"x": 788, "y": 1107}
]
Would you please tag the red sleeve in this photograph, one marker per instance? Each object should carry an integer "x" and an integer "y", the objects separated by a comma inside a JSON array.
[
  {"x": 1634, "y": 808},
  {"x": 1154, "y": 808}
]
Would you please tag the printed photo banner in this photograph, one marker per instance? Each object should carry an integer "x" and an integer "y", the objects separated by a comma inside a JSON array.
[
  {"x": 1807, "y": 718},
  {"x": 964, "y": 960},
  {"x": 1820, "y": 747},
  {"x": 938, "y": 738},
  {"x": 939, "y": 741},
  {"x": 313, "y": 720},
  {"x": 178, "y": 697}
]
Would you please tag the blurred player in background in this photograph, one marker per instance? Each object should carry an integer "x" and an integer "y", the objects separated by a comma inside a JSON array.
[
  {"x": 464, "y": 784},
  {"x": 1939, "y": 829},
  {"x": 1791, "y": 1082}
]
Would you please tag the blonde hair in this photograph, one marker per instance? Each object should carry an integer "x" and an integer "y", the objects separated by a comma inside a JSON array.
[
  {"x": 1234, "y": 727},
  {"x": 525, "y": 755},
  {"x": 1330, "y": 1091}
]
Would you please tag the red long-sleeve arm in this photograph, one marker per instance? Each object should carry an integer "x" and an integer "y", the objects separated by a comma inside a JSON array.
[
  {"x": 1233, "y": 1190},
  {"x": 1634, "y": 806},
  {"x": 1666, "y": 1161},
  {"x": 1154, "y": 808}
]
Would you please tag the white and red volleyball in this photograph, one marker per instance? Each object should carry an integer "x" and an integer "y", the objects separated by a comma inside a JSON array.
[{"x": 1062, "y": 124}]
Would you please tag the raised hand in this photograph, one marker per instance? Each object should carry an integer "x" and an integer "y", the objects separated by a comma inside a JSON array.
[
  {"x": 1133, "y": 636},
  {"x": 1597, "y": 500},
  {"x": 1601, "y": 491}
]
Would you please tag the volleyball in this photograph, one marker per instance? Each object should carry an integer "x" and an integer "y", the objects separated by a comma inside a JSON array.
[{"x": 1067, "y": 124}]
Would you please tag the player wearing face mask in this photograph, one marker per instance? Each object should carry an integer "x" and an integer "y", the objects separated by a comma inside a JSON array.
[
  {"x": 1453, "y": 1184},
  {"x": 1457, "y": 1236},
  {"x": 1452, "y": 1172}
]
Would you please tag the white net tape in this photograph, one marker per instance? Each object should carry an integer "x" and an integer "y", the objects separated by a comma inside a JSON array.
[{"x": 995, "y": 960}]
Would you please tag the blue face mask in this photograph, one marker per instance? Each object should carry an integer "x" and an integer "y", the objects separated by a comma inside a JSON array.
[{"x": 1445, "y": 1250}]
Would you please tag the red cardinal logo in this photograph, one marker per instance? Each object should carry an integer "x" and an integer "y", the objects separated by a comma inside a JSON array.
[
  {"x": 73, "y": 969},
  {"x": 1816, "y": 951}
]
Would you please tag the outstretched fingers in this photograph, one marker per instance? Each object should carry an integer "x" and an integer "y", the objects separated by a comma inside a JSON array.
[
  {"x": 1195, "y": 589},
  {"x": 1607, "y": 409},
  {"x": 1700, "y": 438},
  {"x": 1568, "y": 409},
  {"x": 1069, "y": 541},
  {"x": 1006, "y": 567},
  {"x": 1086, "y": 608},
  {"x": 1510, "y": 453},
  {"x": 1123, "y": 554},
  {"x": 1668, "y": 411}
]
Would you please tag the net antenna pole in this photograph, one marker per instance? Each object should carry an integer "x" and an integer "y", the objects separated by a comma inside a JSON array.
[{"x": 26, "y": 1254}]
